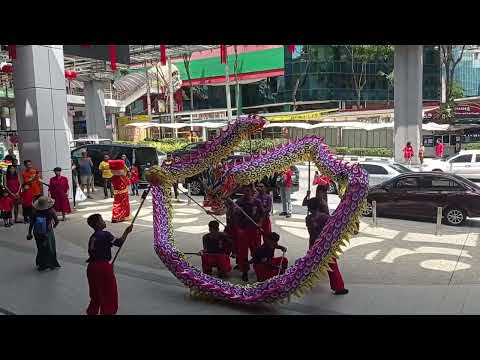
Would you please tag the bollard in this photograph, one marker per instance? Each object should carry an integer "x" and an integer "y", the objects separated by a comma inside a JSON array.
[
  {"x": 439, "y": 221},
  {"x": 374, "y": 213},
  {"x": 189, "y": 186}
]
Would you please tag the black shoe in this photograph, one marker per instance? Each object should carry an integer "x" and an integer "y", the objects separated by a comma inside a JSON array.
[
  {"x": 42, "y": 268},
  {"x": 245, "y": 277},
  {"x": 288, "y": 216},
  {"x": 282, "y": 213},
  {"x": 341, "y": 292},
  {"x": 236, "y": 267}
]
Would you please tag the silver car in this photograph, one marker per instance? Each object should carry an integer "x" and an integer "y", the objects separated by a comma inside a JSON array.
[{"x": 380, "y": 171}]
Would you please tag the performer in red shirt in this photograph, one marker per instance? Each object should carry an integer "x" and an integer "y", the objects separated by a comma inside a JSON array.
[
  {"x": 134, "y": 179},
  {"x": 59, "y": 192},
  {"x": 121, "y": 203}
]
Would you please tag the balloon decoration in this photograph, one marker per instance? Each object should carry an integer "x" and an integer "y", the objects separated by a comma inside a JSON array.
[{"x": 306, "y": 270}]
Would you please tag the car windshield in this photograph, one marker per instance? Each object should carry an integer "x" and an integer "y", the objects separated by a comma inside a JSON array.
[{"x": 400, "y": 168}]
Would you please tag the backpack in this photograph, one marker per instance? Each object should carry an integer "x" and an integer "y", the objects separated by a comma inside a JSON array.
[{"x": 40, "y": 226}]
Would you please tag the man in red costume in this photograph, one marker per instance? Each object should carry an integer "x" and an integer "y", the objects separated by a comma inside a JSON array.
[{"x": 121, "y": 203}]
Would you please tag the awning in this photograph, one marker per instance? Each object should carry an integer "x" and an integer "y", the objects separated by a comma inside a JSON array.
[
  {"x": 147, "y": 125},
  {"x": 431, "y": 126},
  {"x": 337, "y": 124}
]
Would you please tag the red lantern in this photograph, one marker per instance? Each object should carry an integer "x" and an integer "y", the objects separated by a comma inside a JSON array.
[
  {"x": 163, "y": 54},
  {"x": 7, "y": 68},
  {"x": 70, "y": 74}
]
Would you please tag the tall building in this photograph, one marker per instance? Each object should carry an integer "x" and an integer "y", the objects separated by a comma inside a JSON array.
[
  {"x": 324, "y": 72},
  {"x": 467, "y": 73}
]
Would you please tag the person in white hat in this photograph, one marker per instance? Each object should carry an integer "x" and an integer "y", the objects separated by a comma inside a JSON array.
[{"x": 43, "y": 221}]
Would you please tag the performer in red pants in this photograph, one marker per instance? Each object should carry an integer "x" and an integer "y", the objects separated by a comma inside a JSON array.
[
  {"x": 265, "y": 264},
  {"x": 266, "y": 200},
  {"x": 101, "y": 278},
  {"x": 315, "y": 222},
  {"x": 217, "y": 247},
  {"x": 247, "y": 228}
]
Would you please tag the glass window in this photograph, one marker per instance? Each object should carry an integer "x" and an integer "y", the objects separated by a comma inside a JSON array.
[
  {"x": 477, "y": 158},
  {"x": 439, "y": 183},
  {"x": 407, "y": 183},
  {"x": 146, "y": 156},
  {"x": 462, "y": 159},
  {"x": 77, "y": 154},
  {"x": 374, "y": 169},
  {"x": 400, "y": 168}
]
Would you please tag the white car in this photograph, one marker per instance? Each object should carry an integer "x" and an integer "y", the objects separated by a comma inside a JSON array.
[
  {"x": 380, "y": 171},
  {"x": 88, "y": 141},
  {"x": 466, "y": 163}
]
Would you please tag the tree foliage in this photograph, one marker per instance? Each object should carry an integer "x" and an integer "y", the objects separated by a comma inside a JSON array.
[{"x": 360, "y": 56}]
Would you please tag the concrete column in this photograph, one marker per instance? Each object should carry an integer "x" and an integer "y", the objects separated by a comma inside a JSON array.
[
  {"x": 41, "y": 108},
  {"x": 408, "y": 98},
  {"x": 95, "y": 110},
  {"x": 13, "y": 119},
  {"x": 70, "y": 130}
]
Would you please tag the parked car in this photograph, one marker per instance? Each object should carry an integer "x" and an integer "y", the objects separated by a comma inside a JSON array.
[
  {"x": 145, "y": 156},
  {"x": 418, "y": 195},
  {"x": 161, "y": 156},
  {"x": 88, "y": 141},
  {"x": 380, "y": 171},
  {"x": 466, "y": 163}
]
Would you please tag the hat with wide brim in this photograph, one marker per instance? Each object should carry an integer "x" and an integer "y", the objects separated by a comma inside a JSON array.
[{"x": 43, "y": 203}]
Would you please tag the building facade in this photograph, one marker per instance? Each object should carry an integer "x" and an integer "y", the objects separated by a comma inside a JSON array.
[{"x": 324, "y": 72}]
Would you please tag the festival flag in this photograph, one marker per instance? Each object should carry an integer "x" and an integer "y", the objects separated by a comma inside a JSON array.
[{"x": 223, "y": 54}]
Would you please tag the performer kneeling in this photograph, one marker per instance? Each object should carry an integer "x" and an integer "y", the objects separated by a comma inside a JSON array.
[
  {"x": 265, "y": 264},
  {"x": 217, "y": 247}
]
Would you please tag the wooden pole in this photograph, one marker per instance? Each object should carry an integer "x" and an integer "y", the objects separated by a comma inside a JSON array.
[{"x": 144, "y": 197}]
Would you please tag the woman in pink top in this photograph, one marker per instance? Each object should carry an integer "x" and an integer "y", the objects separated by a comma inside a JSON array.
[{"x": 439, "y": 148}]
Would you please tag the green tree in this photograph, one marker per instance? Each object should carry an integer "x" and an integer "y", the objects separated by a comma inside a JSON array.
[
  {"x": 360, "y": 56},
  {"x": 457, "y": 91},
  {"x": 390, "y": 77}
]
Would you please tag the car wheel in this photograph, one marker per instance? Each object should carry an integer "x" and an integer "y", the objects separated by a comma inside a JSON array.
[
  {"x": 332, "y": 188},
  {"x": 196, "y": 187},
  {"x": 438, "y": 170},
  {"x": 455, "y": 216},
  {"x": 368, "y": 211}
]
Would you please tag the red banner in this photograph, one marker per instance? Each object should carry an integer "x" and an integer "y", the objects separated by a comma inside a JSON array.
[
  {"x": 461, "y": 111},
  {"x": 112, "y": 49},
  {"x": 163, "y": 54},
  {"x": 223, "y": 54}
]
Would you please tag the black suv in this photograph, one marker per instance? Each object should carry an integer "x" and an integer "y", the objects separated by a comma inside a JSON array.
[{"x": 144, "y": 156}]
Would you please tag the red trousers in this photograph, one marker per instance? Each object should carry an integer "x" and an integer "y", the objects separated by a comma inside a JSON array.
[
  {"x": 103, "y": 288},
  {"x": 220, "y": 261},
  {"x": 336, "y": 280},
  {"x": 267, "y": 271},
  {"x": 247, "y": 238},
  {"x": 266, "y": 227}
]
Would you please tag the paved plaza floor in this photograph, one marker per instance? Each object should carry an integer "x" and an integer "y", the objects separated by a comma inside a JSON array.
[{"x": 398, "y": 267}]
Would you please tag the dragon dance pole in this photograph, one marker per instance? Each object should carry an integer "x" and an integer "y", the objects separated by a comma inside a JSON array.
[
  {"x": 188, "y": 196},
  {"x": 144, "y": 197}
]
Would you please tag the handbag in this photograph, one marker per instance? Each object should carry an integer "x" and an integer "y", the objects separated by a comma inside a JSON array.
[{"x": 80, "y": 196}]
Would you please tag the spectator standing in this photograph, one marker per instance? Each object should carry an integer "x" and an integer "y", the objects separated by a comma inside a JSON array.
[
  {"x": 12, "y": 185},
  {"x": 439, "y": 148},
  {"x": 104, "y": 168},
  {"x": 421, "y": 154},
  {"x": 408, "y": 153},
  {"x": 42, "y": 223},
  {"x": 85, "y": 168},
  {"x": 31, "y": 176},
  {"x": 11, "y": 157},
  {"x": 59, "y": 192},
  {"x": 285, "y": 192}
]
